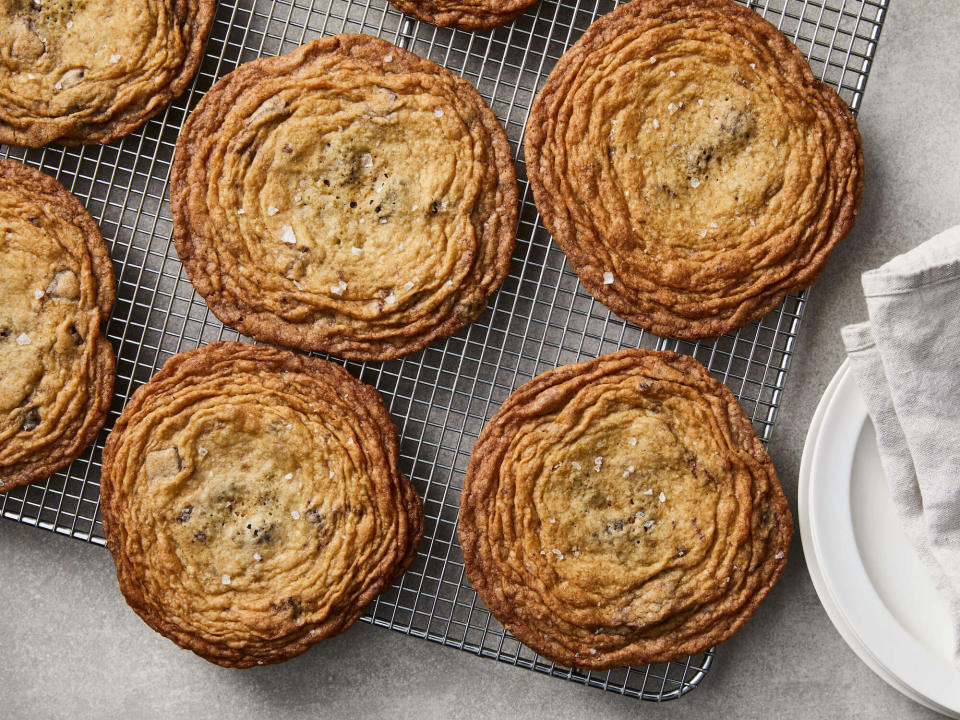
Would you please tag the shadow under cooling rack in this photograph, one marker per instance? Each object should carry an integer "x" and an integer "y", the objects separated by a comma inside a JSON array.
[{"x": 439, "y": 397}]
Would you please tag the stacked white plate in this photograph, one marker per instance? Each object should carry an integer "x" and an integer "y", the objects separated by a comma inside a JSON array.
[{"x": 867, "y": 575}]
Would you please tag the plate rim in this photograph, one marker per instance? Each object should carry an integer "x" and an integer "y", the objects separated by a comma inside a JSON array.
[{"x": 841, "y": 403}]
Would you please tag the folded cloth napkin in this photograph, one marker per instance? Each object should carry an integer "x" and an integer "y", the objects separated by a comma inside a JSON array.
[{"x": 906, "y": 359}]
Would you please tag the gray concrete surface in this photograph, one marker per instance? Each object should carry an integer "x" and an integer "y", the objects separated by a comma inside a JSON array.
[{"x": 69, "y": 647}]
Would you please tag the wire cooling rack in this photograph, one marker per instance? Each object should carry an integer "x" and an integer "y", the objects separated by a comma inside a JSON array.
[{"x": 440, "y": 397}]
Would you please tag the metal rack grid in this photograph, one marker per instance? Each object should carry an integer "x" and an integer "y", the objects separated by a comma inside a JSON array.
[{"x": 441, "y": 396}]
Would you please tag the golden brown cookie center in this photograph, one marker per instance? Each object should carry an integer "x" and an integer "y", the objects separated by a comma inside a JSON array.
[
  {"x": 695, "y": 154},
  {"x": 246, "y": 493},
  {"x": 624, "y": 506},
  {"x": 619, "y": 491},
  {"x": 361, "y": 201}
]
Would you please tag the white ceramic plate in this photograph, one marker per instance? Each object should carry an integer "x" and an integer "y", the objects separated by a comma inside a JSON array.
[
  {"x": 813, "y": 565},
  {"x": 870, "y": 581}
]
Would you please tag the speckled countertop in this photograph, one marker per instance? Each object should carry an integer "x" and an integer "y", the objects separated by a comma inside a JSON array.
[{"x": 69, "y": 646}]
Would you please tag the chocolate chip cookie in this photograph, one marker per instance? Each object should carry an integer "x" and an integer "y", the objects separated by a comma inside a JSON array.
[
  {"x": 464, "y": 14},
  {"x": 92, "y": 71},
  {"x": 690, "y": 165},
  {"x": 56, "y": 289},
  {"x": 252, "y": 502},
  {"x": 622, "y": 511},
  {"x": 348, "y": 197}
]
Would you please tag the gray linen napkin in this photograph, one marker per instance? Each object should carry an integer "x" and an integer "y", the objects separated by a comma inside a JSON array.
[{"x": 906, "y": 359}]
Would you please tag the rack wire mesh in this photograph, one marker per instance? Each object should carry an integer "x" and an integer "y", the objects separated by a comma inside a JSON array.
[{"x": 440, "y": 397}]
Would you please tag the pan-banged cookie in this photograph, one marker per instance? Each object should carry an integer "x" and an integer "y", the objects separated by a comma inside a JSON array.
[
  {"x": 252, "y": 502},
  {"x": 56, "y": 288},
  {"x": 464, "y": 14},
  {"x": 348, "y": 197},
  {"x": 690, "y": 165},
  {"x": 622, "y": 511},
  {"x": 92, "y": 71}
]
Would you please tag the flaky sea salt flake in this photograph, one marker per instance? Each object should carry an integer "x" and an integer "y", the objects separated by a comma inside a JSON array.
[
  {"x": 287, "y": 236},
  {"x": 663, "y": 498},
  {"x": 367, "y": 160},
  {"x": 37, "y": 294},
  {"x": 295, "y": 514},
  {"x": 23, "y": 339},
  {"x": 225, "y": 579},
  {"x": 272, "y": 210},
  {"x": 656, "y": 124},
  {"x": 672, "y": 108},
  {"x": 695, "y": 183},
  {"x": 258, "y": 557},
  {"x": 608, "y": 278}
]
